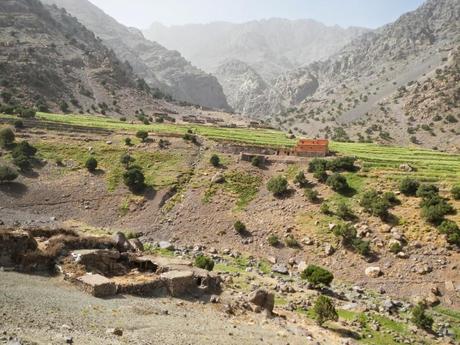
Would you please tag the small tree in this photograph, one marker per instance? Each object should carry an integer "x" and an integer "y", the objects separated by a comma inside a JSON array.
[
  {"x": 7, "y": 174},
  {"x": 143, "y": 135},
  {"x": 215, "y": 160},
  {"x": 128, "y": 142},
  {"x": 455, "y": 191},
  {"x": 27, "y": 113},
  {"x": 91, "y": 164},
  {"x": 204, "y": 262},
  {"x": 325, "y": 310},
  {"x": 409, "y": 186},
  {"x": 338, "y": 183},
  {"x": 25, "y": 149},
  {"x": 22, "y": 162},
  {"x": 317, "y": 276},
  {"x": 277, "y": 185},
  {"x": 126, "y": 160},
  {"x": 18, "y": 124},
  {"x": 257, "y": 161},
  {"x": 134, "y": 179},
  {"x": 6, "y": 137},
  {"x": 239, "y": 227},
  {"x": 420, "y": 319}
]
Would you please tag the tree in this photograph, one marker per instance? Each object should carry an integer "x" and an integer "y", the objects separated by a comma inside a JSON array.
[
  {"x": 204, "y": 262},
  {"x": 455, "y": 191},
  {"x": 317, "y": 276},
  {"x": 239, "y": 227},
  {"x": 324, "y": 310},
  {"x": 420, "y": 319},
  {"x": 215, "y": 160},
  {"x": 7, "y": 174},
  {"x": 126, "y": 160},
  {"x": 277, "y": 185},
  {"x": 25, "y": 149},
  {"x": 6, "y": 137},
  {"x": 409, "y": 186},
  {"x": 143, "y": 135},
  {"x": 91, "y": 164},
  {"x": 27, "y": 113},
  {"x": 134, "y": 179},
  {"x": 338, "y": 183}
]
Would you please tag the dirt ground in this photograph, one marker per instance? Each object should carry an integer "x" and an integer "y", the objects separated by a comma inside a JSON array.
[{"x": 44, "y": 310}]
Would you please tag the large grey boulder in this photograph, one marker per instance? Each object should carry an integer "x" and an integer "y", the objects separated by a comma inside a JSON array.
[{"x": 263, "y": 299}]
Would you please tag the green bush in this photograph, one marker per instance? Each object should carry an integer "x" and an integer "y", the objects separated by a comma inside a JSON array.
[
  {"x": 204, "y": 262},
  {"x": 128, "y": 142},
  {"x": 311, "y": 194},
  {"x": 434, "y": 208},
  {"x": 239, "y": 227},
  {"x": 317, "y": 164},
  {"x": 277, "y": 185},
  {"x": 455, "y": 191},
  {"x": 291, "y": 242},
  {"x": 342, "y": 164},
  {"x": 273, "y": 240},
  {"x": 126, "y": 160},
  {"x": 395, "y": 248},
  {"x": 362, "y": 247},
  {"x": 346, "y": 231},
  {"x": 317, "y": 276},
  {"x": 427, "y": 190},
  {"x": 300, "y": 179},
  {"x": 338, "y": 183},
  {"x": 134, "y": 179},
  {"x": 24, "y": 149},
  {"x": 257, "y": 161},
  {"x": 7, "y": 137},
  {"x": 420, "y": 319},
  {"x": 409, "y": 186},
  {"x": 391, "y": 198},
  {"x": 214, "y": 160},
  {"x": 374, "y": 204},
  {"x": 91, "y": 164},
  {"x": 18, "y": 124},
  {"x": 64, "y": 106},
  {"x": 451, "y": 230},
  {"x": 324, "y": 310},
  {"x": 321, "y": 175},
  {"x": 7, "y": 174},
  {"x": 143, "y": 135},
  {"x": 22, "y": 162},
  {"x": 344, "y": 211},
  {"x": 27, "y": 113},
  {"x": 325, "y": 209}
]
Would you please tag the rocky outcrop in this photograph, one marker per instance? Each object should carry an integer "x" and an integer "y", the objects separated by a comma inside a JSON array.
[{"x": 164, "y": 69}]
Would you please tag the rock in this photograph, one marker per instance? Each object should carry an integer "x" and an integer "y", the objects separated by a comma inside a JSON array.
[
  {"x": 108, "y": 142},
  {"x": 308, "y": 241},
  {"x": 406, "y": 167},
  {"x": 136, "y": 244},
  {"x": 302, "y": 266},
  {"x": 218, "y": 178},
  {"x": 329, "y": 249},
  {"x": 424, "y": 269},
  {"x": 121, "y": 242},
  {"x": 263, "y": 299},
  {"x": 115, "y": 331},
  {"x": 68, "y": 340},
  {"x": 402, "y": 255},
  {"x": 280, "y": 268},
  {"x": 431, "y": 300},
  {"x": 214, "y": 299},
  {"x": 166, "y": 245},
  {"x": 373, "y": 272},
  {"x": 97, "y": 285},
  {"x": 272, "y": 260},
  {"x": 332, "y": 226},
  {"x": 292, "y": 261}
]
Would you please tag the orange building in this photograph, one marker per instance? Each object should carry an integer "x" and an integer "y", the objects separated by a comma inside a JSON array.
[{"x": 311, "y": 148}]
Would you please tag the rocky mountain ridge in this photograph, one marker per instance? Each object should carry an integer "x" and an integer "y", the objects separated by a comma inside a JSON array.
[{"x": 161, "y": 68}]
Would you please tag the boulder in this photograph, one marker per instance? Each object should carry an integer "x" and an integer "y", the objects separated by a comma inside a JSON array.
[
  {"x": 280, "y": 268},
  {"x": 97, "y": 285},
  {"x": 178, "y": 282},
  {"x": 166, "y": 245},
  {"x": 121, "y": 243},
  {"x": 373, "y": 272},
  {"x": 218, "y": 178},
  {"x": 263, "y": 299},
  {"x": 136, "y": 244},
  {"x": 329, "y": 249}
]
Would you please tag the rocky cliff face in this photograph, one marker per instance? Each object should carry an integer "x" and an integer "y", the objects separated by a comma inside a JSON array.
[
  {"x": 161, "y": 68},
  {"x": 48, "y": 59},
  {"x": 372, "y": 89}
]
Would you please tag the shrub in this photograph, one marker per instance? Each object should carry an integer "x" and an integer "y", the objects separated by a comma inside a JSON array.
[
  {"x": 134, "y": 179},
  {"x": 420, "y": 319},
  {"x": 447, "y": 227},
  {"x": 317, "y": 164},
  {"x": 344, "y": 211},
  {"x": 6, "y": 137},
  {"x": 362, "y": 247},
  {"x": 454, "y": 238},
  {"x": 126, "y": 160},
  {"x": 18, "y": 124},
  {"x": 64, "y": 106},
  {"x": 22, "y": 162},
  {"x": 342, "y": 164},
  {"x": 455, "y": 191},
  {"x": 320, "y": 175},
  {"x": 427, "y": 190},
  {"x": 324, "y": 310},
  {"x": 409, "y": 186},
  {"x": 215, "y": 160},
  {"x": 338, "y": 183},
  {"x": 123, "y": 119},
  {"x": 257, "y": 161},
  {"x": 128, "y": 142},
  {"x": 273, "y": 240},
  {"x": 395, "y": 247},
  {"x": 25, "y": 149},
  {"x": 300, "y": 179},
  {"x": 391, "y": 198},
  {"x": 239, "y": 227},
  {"x": 91, "y": 164},
  {"x": 374, "y": 204},
  {"x": 7, "y": 174},
  {"x": 204, "y": 262},
  {"x": 291, "y": 242},
  {"x": 346, "y": 231},
  {"x": 311, "y": 194},
  {"x": 277, "y": 185},
  {"x": 143, "y": 135},
  {"x": 317, "y": 276},
  {"x": 27, "y": 113},
  {"x": 434, "y": 208},
  {"x": 325, "y": 209}
]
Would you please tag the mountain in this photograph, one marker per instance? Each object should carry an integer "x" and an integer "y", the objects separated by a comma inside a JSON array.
[
  {"x": 371, "y": 89},
  {"x": 49, "y": 60},
  {"x": 161, "y": 68}
]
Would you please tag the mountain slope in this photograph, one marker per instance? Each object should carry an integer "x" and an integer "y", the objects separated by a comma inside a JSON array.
[
  {"x": 361, "y": 88},
  {"x": 160, "y": 67},
  {"x": 48, "y": 59}
]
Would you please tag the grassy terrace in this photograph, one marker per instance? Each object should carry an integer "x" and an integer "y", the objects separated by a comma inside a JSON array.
[{"x": 380, "y": 161}]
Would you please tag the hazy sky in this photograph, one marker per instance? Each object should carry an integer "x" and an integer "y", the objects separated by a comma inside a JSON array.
[{"x": 367, "y": 13}]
